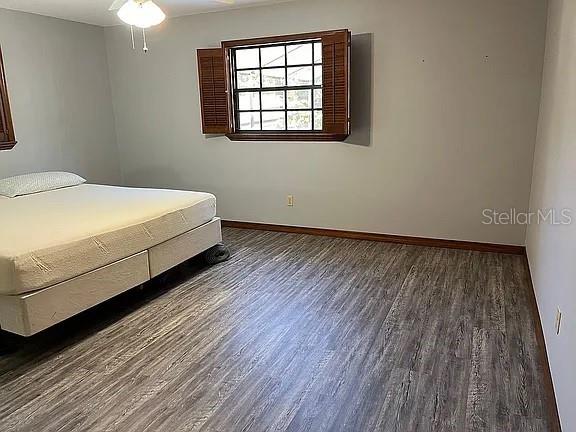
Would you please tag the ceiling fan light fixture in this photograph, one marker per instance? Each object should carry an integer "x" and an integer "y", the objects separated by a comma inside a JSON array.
[{"x": 142, "y": 14}]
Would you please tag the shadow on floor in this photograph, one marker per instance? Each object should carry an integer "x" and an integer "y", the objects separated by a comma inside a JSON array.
[{"x": 14, "y": 349}]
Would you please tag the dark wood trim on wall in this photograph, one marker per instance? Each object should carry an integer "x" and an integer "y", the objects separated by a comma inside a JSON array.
[
  {"x": 8, "y": 145},
  {"x": 7, "y": 136},
  {"x": 279, "y": 38},
  {"x": 551, "y": 406},
  {"x": 284, "y": 137},
  {"x": 389, "y": 238}
]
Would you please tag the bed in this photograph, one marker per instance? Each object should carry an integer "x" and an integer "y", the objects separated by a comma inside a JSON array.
[{"x": 63, "y": 251}]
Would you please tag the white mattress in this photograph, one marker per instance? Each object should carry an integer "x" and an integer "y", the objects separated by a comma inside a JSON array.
[{"x": 50, "y": 237}]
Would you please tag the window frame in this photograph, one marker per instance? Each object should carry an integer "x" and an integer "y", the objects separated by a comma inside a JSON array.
[
  {"x": 235, "y": 133},
  {"x": 284, "y": 89},
  {"x": 5, "y": 114}
]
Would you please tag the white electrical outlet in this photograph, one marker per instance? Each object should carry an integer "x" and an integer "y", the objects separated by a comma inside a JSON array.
[
  {"x": 558, "y": 320},
  {"x": 290, "y": 201}
]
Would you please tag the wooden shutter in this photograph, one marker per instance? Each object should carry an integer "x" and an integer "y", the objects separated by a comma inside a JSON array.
[
  {"x": 7, "y": 139},
  {"x": 336, "y": 83},
  {"x": 213, "y": 98}
]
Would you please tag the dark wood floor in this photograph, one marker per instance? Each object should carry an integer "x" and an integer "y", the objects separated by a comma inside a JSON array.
[{"x": 294, "y": 333}]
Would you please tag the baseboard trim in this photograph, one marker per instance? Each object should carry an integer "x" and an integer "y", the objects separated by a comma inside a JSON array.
[
  {"x": 551, "y": 406},
  {"x": 388, "y": 238}
]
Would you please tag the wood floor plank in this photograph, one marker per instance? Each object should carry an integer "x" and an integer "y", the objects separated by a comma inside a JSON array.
[{"x": 294, "y": 333}]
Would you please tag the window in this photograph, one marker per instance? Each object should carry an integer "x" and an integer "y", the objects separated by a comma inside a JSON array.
[
  {"x": 276, "y": 87},
  {"x": 7, "y": 140}
]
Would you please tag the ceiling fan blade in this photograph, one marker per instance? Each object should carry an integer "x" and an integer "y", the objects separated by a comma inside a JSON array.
[
  {"x": 117, "y": 4},
  {"x": 229, "y": 2}
]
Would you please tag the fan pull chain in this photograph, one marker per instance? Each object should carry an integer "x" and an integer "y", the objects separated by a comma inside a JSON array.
[
  {"x": 132, "y": 36},
  {"x": 144, "y": 38}
]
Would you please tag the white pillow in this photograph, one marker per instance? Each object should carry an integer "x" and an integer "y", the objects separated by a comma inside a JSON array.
[{"x": 38, "y": 182}]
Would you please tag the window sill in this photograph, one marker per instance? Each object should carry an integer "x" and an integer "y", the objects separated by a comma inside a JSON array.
[
  {"x": 8, "y": 145},
  {"x": 318, "y": 137}
]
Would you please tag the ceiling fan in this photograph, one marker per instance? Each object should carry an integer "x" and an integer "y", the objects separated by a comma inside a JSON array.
[
  {"x": 143, "y": 14},
  {"x": 139, "y": 13}
]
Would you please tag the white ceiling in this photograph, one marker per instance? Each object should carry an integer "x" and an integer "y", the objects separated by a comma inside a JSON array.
[{"x": 96, "y": 11}]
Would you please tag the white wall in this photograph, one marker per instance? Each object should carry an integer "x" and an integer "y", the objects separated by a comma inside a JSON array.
[
  {"x": 59, "y": 91},
  {"x": 552, "y": 248},
  {"x": 454, "y": 104}
]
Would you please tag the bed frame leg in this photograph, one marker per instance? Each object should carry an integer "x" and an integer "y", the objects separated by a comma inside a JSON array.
[{"x": 217, "y": 254}]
